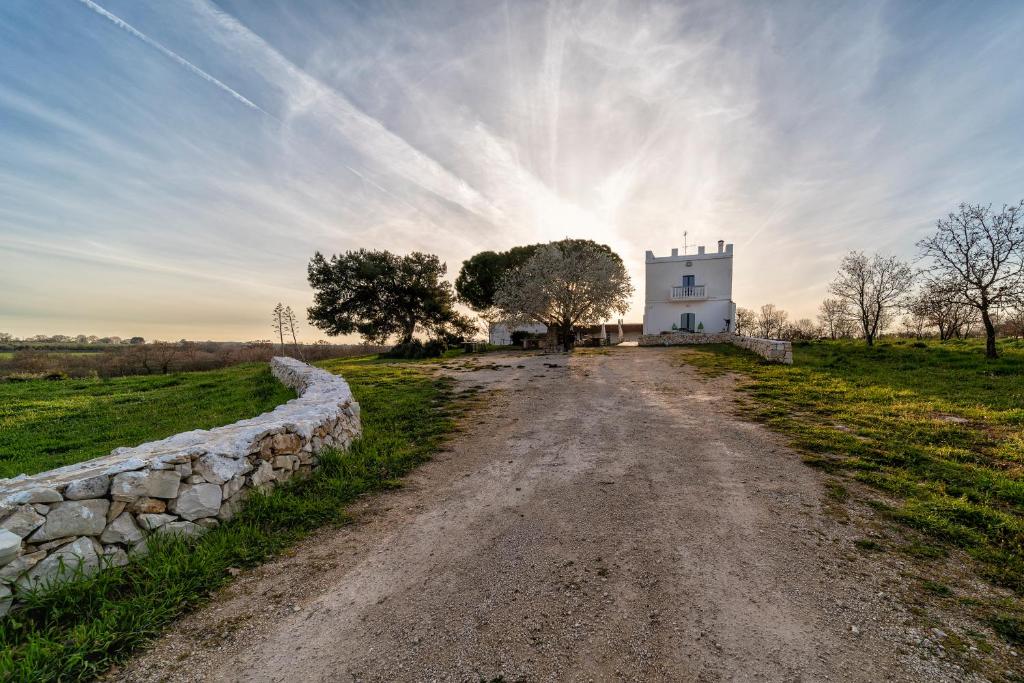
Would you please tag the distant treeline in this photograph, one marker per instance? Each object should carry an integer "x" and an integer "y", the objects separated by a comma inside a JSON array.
[
  {"x": 75, "y": 342},
  {"x": 59, "y": 359}
]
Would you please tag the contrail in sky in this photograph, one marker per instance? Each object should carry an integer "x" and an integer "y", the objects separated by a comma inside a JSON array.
[{"x": 121, "y": 23}]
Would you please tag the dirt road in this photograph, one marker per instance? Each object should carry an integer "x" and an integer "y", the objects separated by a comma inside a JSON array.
[{"x": 608, "y": 518}]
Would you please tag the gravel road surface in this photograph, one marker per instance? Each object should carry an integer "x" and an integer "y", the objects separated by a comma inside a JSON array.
[{"x": 601, "y": 517}]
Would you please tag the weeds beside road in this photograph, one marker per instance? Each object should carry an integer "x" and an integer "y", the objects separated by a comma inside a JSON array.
[
  {"x": 937, "y": 427},
  {"x": 78, "y": 631}
]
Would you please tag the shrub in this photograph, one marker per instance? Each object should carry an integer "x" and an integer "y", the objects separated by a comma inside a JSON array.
[
  {"x": 414, "y": 349},
  {"x": 120, "y": 360},
  {"x": 518, "y": 336},
  {"x": 1009, "y": 627}
]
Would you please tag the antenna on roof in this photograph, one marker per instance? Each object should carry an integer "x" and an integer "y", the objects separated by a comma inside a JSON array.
[{"x": 685, "y": 233}]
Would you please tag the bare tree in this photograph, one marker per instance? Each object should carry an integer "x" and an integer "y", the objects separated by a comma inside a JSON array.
[
  {"x": 938, "y": 304},
  {"x": 771, "y": 321},
  {"x": 804, "y": 328},
  {"x": 835, "y": 319},
  {"x": 874, "y": 288},
  {"x": 291, "y": 322},
  {"x": 277, "y": 322},
  {"x": 143, "y": 353},
  {"x": 163, "y": 354},
  {"x": 745, "y": 321},
  {"x": 981, "y": 254},
  {"x": 914, "y": 324},
  {"x": 189, "y": 349},
  {"x": 1013, "y": 325},
  {"x": 563, "y": 285}
]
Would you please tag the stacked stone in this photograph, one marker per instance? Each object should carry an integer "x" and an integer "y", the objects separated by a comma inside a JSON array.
[
  {"x": 773, "y": 350},
  {"x": 686, "y": 338},
  {"x": 77, "y": 519}
]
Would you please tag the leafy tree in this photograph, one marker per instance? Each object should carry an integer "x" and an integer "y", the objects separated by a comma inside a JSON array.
[
  {"x": 980, "y": 254},
  {"x": 381, "y": 295},
  {"x": 563, "y": 285},
  {"x": 481, "y": 274},
  {"x": 873, "y": 287}
]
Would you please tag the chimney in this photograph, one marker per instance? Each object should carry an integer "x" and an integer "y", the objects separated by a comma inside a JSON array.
[
  {"x": 675, "y": 252},
  {"x": 721, "y": 243},
  {"x": 728, "y": 249},
  {"x": 700, "y": 251}
]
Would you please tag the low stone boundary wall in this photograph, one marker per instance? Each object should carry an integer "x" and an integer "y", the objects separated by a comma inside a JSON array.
[
  {"x": 93, "y": 514},
  {"x": 686, "y": 338},
  {"x": 772, "y": 350}
]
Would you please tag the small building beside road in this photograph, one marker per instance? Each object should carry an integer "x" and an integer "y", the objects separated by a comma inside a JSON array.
[{"x": 613, "y": 332}]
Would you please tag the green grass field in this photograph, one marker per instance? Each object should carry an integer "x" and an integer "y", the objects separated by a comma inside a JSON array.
[
  {"x": 46, "y": 424},
  {"x": 935, "y": 426},
  {"x": 79, "y": 630}
]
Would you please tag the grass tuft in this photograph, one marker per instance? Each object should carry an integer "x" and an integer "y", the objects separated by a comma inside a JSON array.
[
  {"x": 936, "y": 588},
  {"x": 1010, "y": 627},
  {"x": 868, "y": 545}
]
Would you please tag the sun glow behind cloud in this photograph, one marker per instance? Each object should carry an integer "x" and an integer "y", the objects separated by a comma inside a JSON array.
[{"x": 157, "y": 153}]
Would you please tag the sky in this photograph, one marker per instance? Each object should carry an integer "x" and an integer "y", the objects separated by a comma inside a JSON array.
[{"x": 167, "y": 168}]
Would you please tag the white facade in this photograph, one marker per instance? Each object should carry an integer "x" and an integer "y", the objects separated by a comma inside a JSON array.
[
  {"x": 500, "y": 335},
  {"x": 689, "y": 292}
]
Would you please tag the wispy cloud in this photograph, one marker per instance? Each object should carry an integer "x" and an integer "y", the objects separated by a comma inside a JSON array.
[
  {"x": 795, "y": 131},
  {"x": 172, "y": 55},
  {"x": 308, "y": 95}
]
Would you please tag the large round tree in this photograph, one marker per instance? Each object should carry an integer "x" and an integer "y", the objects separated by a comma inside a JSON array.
[
  {"x": 481, "y": 274},
  {"x": 564, "y": 285},
  {"x": 383, "y": 296}
]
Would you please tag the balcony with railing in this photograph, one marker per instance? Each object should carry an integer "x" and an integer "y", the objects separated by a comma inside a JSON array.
[{"x": 687, "y": 292}]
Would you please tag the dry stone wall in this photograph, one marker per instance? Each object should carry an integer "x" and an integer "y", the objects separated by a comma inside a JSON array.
[
  {"x": 772, "y": 350},
  {"x": 85, "y": 516},
  {"x": 686, "y": 338}
]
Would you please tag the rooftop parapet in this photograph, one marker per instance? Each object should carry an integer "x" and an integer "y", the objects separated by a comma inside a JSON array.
[{"x": 724, "y": 251}]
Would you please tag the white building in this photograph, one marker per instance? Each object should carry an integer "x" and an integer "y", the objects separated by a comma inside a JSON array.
[
  {"x": 614, "y": 332},
  {"x": 689, "y": 292},
  {"x": 501, "y": 335}
]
